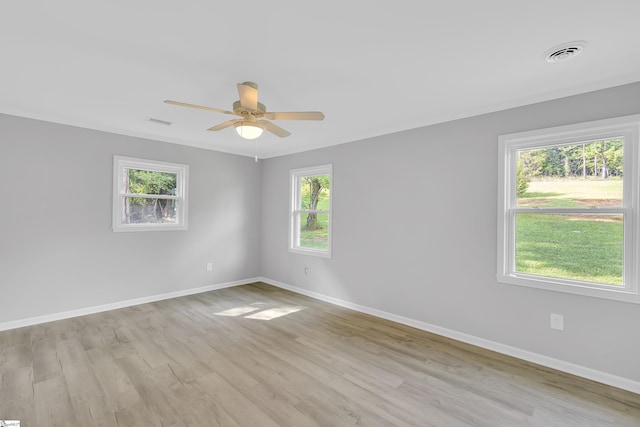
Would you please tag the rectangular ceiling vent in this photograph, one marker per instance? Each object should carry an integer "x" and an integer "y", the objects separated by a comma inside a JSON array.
[{"x": 160, "y": 122}]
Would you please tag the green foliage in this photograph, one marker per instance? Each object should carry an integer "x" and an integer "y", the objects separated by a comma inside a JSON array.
[
  {"x": 584, "y": 247},
  {"x": 599, "y": 158},
  {"x": 314, "y": 226},
  {"x": 150, "y": 210},
  {"x": 152, "y": 182},
  {"x": 522, "y": 181},
  {"x": 314, "y": 189},
  {"x": 307, "y": 190}
]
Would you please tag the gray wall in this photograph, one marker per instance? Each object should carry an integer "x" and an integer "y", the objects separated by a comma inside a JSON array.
[
  {"x": 414, "y": 235},
  {"x": 410, "y": 237},
  {"x": 57, "y": 250}
]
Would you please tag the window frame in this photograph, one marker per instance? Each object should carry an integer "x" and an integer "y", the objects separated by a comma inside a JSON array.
[
  {"x": 627, "y": 127},
  {"x": 120, "y": 163},
  {"x": 295, "y": 212}
]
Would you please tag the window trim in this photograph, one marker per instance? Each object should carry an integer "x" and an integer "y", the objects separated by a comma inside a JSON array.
[
  {"x": 627, "y": 127},
  {"x": 120, "y": 163},
  {"x": 295, "y": 212}
]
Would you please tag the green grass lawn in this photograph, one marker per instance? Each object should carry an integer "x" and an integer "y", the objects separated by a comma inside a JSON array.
[
  {"x": 587, "y": 249},
  {"x": 564, "y": 193},
  {"x": 318, "y": 237},
  {"x": 569, "y": 246}
]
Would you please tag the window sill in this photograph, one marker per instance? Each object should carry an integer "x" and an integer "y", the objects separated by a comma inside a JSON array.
[
  {"x": 575, "y": 288},
  {"x": 312, "y": 252},
  {"x": 142, "y": 227}
]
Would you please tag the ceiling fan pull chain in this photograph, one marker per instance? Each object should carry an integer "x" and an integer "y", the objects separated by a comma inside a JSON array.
[{"x": 256, "y": 142}]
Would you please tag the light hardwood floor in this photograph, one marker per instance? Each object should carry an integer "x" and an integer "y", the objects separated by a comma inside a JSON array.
[{"x": 256, "y": 355}]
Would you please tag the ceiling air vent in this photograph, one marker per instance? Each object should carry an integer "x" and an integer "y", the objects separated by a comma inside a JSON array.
[
  {"x": 564, "y": 52},
  {"x": 160, "y": 122}
]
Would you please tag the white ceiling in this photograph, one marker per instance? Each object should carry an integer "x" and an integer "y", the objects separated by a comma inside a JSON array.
[{"x": 373, "y": 67}]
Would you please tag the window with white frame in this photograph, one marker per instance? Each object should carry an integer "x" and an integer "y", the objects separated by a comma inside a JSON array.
[
  {"x": 310, "y": 219},
  {"x": 568, "y": 209},
  {"x": 149, "y": 195}
]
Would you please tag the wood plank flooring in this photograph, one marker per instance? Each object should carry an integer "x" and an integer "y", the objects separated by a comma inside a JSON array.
[{"x": 256, "y": 355}]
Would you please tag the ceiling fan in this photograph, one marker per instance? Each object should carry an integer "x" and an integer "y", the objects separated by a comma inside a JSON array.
[{"x": 253, "y": 114}]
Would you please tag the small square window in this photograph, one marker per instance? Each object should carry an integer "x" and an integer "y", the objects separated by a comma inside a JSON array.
[{"x": 149, "y": 195}]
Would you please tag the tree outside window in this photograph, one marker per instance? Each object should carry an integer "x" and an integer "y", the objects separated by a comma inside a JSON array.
[
  {"x": 568, "y": 205},
  {"x": 311, "y": 210},
  {"x": 149, "y": 195}
]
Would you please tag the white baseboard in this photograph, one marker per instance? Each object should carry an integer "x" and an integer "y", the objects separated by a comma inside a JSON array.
[
  {"x": 550, "y": 362},
  {"x": 120, "y": 304}
]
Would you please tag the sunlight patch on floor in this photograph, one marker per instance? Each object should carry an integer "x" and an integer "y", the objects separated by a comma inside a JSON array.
[
  {"x": 237, "y": 311},
  {"x": 274, "y": 313},
  {"x": 263, "y": 313}
]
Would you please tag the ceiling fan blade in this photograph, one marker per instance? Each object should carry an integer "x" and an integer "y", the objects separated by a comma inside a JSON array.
[
  {"x": 274, "y": 129},
  {"x": 300, "y": 115},
  {"x": 248, "y": 95},
  {"x": 225, "y": 124},
  {"x": 199, "y": 107}
]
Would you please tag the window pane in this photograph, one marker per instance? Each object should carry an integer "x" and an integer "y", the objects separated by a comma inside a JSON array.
[
  {"x": 314, "y": 231},
  {"x": 585, "y": 247},
  {"x": 137, "y": 210},
  {"x": 587, "y": 174},
  {"x": 315, "y": 192},
  {"x": 150, "y": 182}
]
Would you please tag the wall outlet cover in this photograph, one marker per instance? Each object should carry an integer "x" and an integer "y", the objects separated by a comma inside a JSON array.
[{"x": 556, "y": 321}]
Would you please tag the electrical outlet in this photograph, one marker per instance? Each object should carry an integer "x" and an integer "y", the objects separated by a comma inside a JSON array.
[
  {"x": 556, "y": 321},
  {"x": 209, "y": 266}
]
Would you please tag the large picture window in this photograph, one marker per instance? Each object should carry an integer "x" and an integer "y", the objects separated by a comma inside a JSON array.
[
  {"x": 568, "y": 206},
  {"x": 310, "y": 219},
  {"x": 149, "y": 195}
]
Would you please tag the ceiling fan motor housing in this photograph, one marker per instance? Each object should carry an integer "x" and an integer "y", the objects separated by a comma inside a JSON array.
[{"x": 239, "y": 109}]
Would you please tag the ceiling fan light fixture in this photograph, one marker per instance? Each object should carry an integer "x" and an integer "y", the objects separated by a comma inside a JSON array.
[{"x": 248, "y": 130}]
